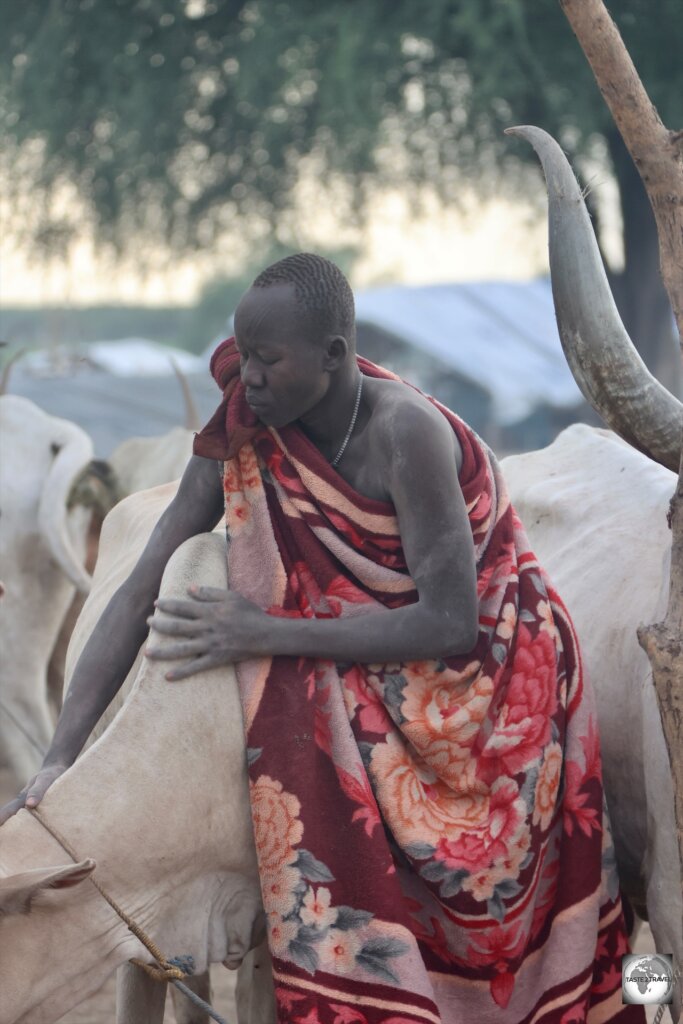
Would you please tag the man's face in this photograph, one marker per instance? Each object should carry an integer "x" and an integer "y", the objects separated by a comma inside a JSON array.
[{"x": 281, "y": 360}]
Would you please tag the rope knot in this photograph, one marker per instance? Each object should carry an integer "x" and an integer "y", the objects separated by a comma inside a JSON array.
[
  {"x": 167, "y": 971},
  {"x": 185, "y": 963}
]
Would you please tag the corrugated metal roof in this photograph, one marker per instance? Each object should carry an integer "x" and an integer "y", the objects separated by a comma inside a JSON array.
[{"x": 501, "y": 334}]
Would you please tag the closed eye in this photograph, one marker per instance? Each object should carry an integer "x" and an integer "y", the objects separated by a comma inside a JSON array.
[{"x": 262, "y": 359}]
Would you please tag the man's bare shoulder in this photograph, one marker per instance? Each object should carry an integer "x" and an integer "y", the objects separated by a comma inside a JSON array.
[{"x": 404, "y": 421}]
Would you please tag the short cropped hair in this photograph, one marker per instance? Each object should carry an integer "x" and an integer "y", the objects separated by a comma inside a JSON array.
[{"x": 321, "y": 290}]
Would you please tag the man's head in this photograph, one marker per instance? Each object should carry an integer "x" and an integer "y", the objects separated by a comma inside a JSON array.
[
  {"x": 295, "y": 331},
  {"x": 321, "y": 292}
]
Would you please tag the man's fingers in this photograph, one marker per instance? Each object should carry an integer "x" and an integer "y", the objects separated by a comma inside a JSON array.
[
  {"x": 176, "y": 606},
  {"x": 34, "y": 791},
  {"x": 175, "y": 627},
  {"x": 206, "y": 593},
  {"x": 11, "y": 808},
  {"x": 37, "y": 789},
  {"x": 186, "y": 649},
  {"x": 190, "y": 668}
]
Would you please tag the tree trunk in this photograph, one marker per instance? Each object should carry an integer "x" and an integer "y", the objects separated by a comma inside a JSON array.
[
  {"x": 656, "y": 151},
  {"x": 663, "y": 644},
  {"x": 639, "y": 291}
]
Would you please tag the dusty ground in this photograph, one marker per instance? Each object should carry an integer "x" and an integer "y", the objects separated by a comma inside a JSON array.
[{"x": 99, "y": 1009}]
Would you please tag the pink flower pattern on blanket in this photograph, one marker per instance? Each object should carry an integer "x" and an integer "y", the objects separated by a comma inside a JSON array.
[{"x": 524, "y": 726}]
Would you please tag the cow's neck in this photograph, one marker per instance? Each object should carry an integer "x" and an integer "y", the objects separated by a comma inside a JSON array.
[
  {"x": 160, "y": 802},
  {"x": 165, "y": 789}
]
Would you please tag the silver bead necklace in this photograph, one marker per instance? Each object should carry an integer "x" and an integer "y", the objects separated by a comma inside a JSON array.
[{"x": 352, "y": 424}]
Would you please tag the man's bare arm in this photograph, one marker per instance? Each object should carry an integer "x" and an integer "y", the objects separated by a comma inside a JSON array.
[
  {"x": 103, "y": 664},
  {"x": 418, "y": 466},
  {"x": 439, "y": 551}
]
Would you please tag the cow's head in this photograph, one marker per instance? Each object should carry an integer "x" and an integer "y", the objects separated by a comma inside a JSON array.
[{"x": 18, "y": 893}]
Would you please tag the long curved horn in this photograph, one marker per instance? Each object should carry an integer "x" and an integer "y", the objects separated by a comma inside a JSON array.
[
  {"x": 602, "y": 357},
  {"x": 191, "y": 414},
  {"x": 74, "y": 450},
  {"x": 7, "y": 368}
]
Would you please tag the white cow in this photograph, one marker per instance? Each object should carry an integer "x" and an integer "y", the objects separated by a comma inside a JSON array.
[
  {"x": 171, "y": 834},
  {"x": 47, "y": 542},
  {"x": 143, "y": 462},
  {"x": 136, "y": 464},
  {"x": 42, "y": 548},
  {"x": 596, "y": 513},
  {"x": 627, "y": 501}
]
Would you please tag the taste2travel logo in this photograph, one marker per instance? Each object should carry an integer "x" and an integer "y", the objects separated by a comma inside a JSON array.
[{"x": 647, "y": 979}]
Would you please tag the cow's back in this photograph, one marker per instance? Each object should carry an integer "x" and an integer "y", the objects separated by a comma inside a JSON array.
[{"x": 125, "y": 532}]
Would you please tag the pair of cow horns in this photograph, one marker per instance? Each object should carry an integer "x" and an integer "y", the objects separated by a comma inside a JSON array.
[{"x": 601, "y": 356}]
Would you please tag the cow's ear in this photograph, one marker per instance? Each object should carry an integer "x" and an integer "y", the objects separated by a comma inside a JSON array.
[{"x": 17, "y": 892}]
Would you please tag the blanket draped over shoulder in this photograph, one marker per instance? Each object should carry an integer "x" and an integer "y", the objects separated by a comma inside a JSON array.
[{"x": 431, "y": 837}]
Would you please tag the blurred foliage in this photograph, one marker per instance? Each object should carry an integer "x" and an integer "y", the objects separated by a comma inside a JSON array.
[
  {"x": 193, "y": 328},
  {"x": 177, "y": 120}
]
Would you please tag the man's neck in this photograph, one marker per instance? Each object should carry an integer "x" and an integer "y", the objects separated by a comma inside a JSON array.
[{"x": 327, "y": 423}]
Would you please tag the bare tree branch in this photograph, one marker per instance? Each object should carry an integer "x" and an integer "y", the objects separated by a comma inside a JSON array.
[{"x": 656, "y": 151}]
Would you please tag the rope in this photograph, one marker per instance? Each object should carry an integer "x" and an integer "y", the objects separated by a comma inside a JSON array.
[
  {"x": 170, "y": 969},
  {"x": 198, "y": 1001}
]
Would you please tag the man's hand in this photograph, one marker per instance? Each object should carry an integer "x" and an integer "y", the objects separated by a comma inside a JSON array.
[
  {"x": 34, "y": 791},
  {"x": 214, "y": 627}
]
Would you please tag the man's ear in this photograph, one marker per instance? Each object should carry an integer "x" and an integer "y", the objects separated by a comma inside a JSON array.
[{"x": 336, "y": 350}]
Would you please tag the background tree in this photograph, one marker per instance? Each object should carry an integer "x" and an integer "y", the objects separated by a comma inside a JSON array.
[{"x": 178, "y": 120}]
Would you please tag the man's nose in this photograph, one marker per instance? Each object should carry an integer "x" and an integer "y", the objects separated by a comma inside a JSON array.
[{"x": 252, "y": 376}]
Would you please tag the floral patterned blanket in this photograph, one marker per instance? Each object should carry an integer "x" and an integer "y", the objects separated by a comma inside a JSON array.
[{"x": 431, "y": 836}]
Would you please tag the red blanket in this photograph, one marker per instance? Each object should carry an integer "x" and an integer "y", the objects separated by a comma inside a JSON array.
[{"x": 431, "y": 835}]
